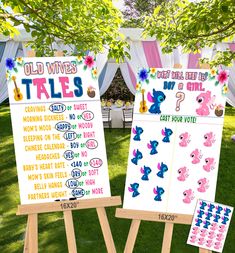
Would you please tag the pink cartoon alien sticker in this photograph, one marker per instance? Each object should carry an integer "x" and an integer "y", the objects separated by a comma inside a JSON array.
[
  {"x": 209, "y": 139},
  {"x": 196, "y": 155},
  {"x": 188, "y": 196},
  {"x": 210, "y": 164},
  {"x": 183, "y": 173},
  {"x": 203, "y": 184},
  {"x": 205, "y": 101},
  {"x": 184, "y": 139}
]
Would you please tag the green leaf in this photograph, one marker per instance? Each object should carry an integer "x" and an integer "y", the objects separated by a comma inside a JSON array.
[
  {"x": 34, "y": 33},
  {"x": 69, "y": 22},
  {"x": 224, "y": 8}
]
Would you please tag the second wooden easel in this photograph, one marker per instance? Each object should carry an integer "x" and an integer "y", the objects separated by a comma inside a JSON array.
[{"x": 168, "y": 218}]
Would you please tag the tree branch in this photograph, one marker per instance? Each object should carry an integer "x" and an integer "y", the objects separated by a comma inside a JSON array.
[
  {"x": 43, "y": 18},
  {"x": 213, "y": 33}
]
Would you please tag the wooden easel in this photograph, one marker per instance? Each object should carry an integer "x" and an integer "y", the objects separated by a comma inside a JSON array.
[
  {"x": 168, "y": 218},
  {"x": 32, "y": 210}
]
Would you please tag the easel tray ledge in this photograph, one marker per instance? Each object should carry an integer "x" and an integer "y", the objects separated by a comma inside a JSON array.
[
  {"x": 67, "y": 205},
  {"x": 154, "y": 216}
]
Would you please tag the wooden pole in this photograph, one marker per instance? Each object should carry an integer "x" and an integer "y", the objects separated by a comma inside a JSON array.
[
  {"x": 33, "y": 233},
  {"x": 204, "y": 66},
  {"x": 31, "y": 53},
  {"x": 204, "y": 250},
  {"x": 108, "y": 238},
  {"x": 177, "y": 66},
  {"x": 26, "y": 238},
  {"x": 69, "y": 229},
  {"x": 59, "y": 53},
  {"x": 130, "y": 243},
  {"x": 168, "y": 232}
]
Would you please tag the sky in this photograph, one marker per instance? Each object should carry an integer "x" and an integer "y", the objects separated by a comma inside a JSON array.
[{"x": 118, "y": 3}]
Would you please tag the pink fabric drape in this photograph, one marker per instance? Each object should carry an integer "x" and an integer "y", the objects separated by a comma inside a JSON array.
[
  {"x": 193, "y": 61},
  {"x": 132, "y": 75},
  {"x": 152, "y": 54},
  {"x": 232, "y": 46}
]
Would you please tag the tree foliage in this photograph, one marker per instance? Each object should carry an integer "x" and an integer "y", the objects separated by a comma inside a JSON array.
[
  {"x": 194, "y": 25},
  {"x": 135, "y": 11},
  {"x": 86, "y": 24}
]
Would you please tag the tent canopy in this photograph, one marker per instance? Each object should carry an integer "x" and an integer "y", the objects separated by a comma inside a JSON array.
[{"x": 144, "y": 53}]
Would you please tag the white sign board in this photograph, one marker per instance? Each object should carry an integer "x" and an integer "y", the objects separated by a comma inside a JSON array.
[
  {"x": 57, "y": 126},
  {"x": 175, "y": 140}
]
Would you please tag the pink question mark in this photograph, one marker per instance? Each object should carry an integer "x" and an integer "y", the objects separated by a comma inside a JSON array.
[{"x": 180, "y": 95}]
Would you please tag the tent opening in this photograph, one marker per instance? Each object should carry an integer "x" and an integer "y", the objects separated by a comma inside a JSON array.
[{"x": 118, "y": 90}]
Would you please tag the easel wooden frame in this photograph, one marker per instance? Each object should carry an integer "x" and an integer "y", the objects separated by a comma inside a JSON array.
[
  {"x": 168, "y": 218},
  {"x": 32, "y": 210}
]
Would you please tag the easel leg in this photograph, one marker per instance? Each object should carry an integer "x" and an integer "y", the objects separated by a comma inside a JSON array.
[
  {"x": 130, "y": 243},
  {"x": 69, "y": 228},
  {"x": 166, "y": 244},
  {"x": 26, "y": 238},
  {"x": 108, "y": 238},
  {"x": 32, "y": 233},
  {"x": 204, "y": 250}
]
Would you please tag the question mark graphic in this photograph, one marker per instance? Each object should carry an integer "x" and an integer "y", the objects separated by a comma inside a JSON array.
[{"x": 180, "y": 95}]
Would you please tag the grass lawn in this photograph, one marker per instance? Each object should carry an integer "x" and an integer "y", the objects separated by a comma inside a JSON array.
[{"x": 89, "y": 238}]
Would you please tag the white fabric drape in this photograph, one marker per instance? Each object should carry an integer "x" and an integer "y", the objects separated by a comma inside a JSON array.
[
  {"x": 207, "y": 52},
  {"x": 109, "y": 75},
  {"x": 126, "y": 77},
  {"x": 166, "y": 59},
  {"x": 3, "y": 38},
  {"x": 231, "y": 86},
  {"x": 56, "y": 46},
  {"x": 59, "y": 46},
  {"x": 180, "y": 57},
  {"x": 101, "y": 59},
  {"x": 25, "y": 49},
  {"x": 9, "y": 52},
  {"x": 138, "y": 59},
  {"x": 231, "y": 83}
]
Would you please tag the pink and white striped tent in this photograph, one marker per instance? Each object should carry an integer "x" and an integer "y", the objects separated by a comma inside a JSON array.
[{"x": 144, "y": 53}]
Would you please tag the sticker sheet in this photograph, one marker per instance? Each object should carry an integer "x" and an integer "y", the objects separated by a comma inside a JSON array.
[
  {"x": 210, "y": 225},
  {"x": 57, "y": 127},
  {"x": 175, "y": 140}
]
